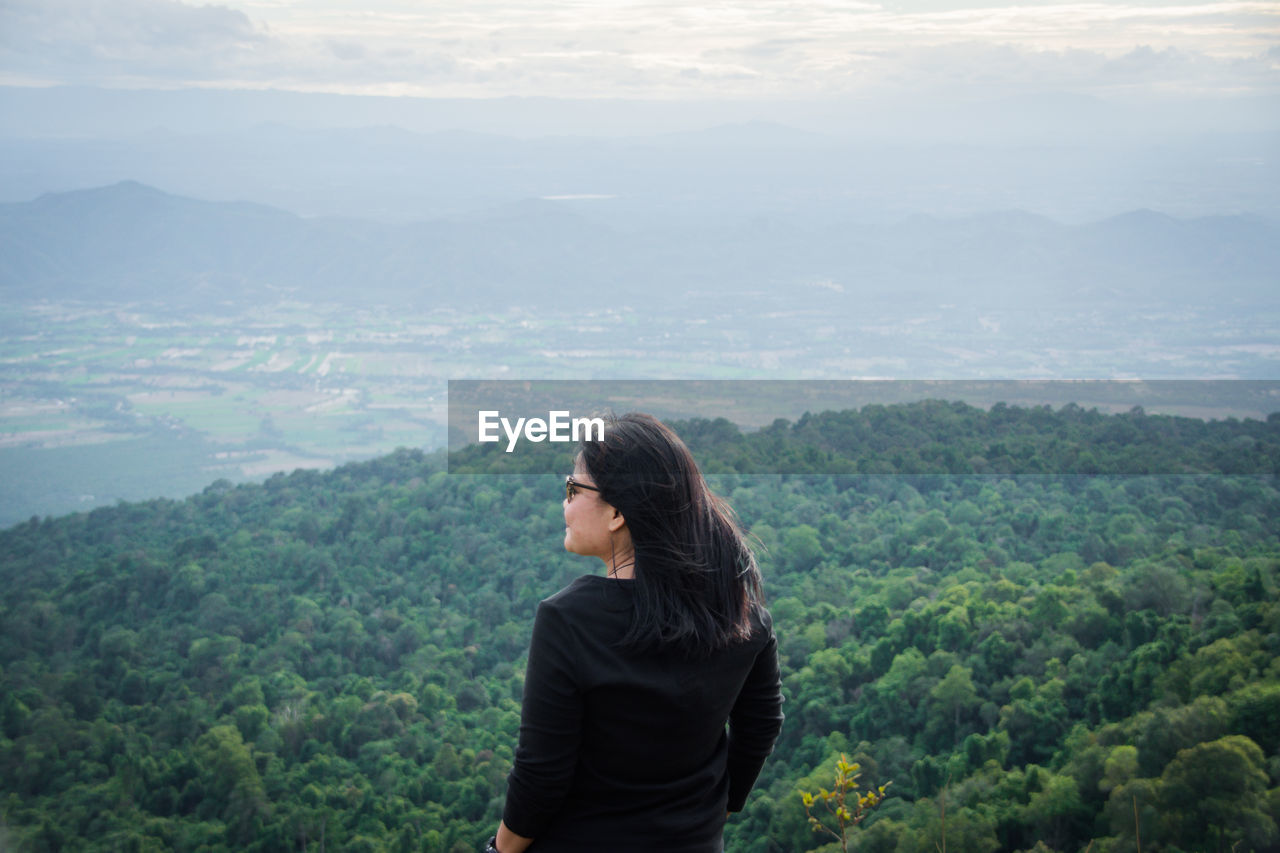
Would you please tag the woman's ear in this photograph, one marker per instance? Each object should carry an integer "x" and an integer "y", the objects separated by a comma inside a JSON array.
[{"x": 616, "y": 521}]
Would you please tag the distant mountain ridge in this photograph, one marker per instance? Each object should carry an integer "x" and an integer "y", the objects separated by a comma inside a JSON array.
[{"x": 134, "y": 242}]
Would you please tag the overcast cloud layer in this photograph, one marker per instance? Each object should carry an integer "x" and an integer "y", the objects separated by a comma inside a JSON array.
[{"x": 655, "y": 49}]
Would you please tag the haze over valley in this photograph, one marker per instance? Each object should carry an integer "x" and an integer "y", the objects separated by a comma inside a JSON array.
[
  {"x": 234, "y": 242},
  {"x": 184, "y": 305}
]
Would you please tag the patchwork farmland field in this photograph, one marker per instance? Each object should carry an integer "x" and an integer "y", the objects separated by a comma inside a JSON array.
[
  {"x": 106, "y": 402},
  {"x": 102, "y": 403}
]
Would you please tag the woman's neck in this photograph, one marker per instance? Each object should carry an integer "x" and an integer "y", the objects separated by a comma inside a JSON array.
[{"x": 621, "y": 564}]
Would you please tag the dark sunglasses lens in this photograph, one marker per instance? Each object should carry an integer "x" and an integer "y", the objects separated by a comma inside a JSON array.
[{"x": 569, "y": 491}]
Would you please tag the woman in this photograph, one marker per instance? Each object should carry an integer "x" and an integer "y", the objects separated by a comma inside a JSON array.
[{"x": 634, "y": 674}]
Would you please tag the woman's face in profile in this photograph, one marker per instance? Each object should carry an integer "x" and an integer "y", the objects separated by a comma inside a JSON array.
[{"x": 587, "y": 518}]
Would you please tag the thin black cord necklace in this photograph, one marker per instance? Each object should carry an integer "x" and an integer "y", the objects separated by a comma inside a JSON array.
[{"x": 613, "y": 560}]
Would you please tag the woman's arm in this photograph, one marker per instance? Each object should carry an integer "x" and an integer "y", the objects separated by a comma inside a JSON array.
[
  {"x": 509, "y": 842},
  {"x": 755, "y": 721},
  {"x": 550, "y": 730}
]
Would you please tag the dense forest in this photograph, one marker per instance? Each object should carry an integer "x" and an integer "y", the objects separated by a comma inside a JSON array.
[{"x": 1051, "y": 630}]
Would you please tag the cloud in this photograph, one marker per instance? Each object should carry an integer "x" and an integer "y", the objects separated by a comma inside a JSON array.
[
  {"x": 88, "y": 40},
  {"x": 347, "y": 51},
  {"x": 650, "y": 49}
]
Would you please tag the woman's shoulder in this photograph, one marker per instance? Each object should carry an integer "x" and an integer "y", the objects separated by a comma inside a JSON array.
[
  {"x": 590, "y": 593},
  {"x": 761, "y": 622}
]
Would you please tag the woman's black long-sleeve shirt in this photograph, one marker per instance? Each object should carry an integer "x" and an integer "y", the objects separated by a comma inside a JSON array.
[{"x": 629, "y": 751}]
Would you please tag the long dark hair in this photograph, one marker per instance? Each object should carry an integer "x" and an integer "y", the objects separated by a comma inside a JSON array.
[{"x": 697, "y": 581}]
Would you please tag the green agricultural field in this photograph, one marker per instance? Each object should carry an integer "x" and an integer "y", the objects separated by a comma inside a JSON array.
[{"x": 212, "y": 418}]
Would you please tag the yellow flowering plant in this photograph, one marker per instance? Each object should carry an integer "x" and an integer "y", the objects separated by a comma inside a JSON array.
[{"x": 845, "y": 806}]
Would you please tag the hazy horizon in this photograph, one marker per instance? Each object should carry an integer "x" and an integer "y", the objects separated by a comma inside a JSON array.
[
  {"x": 1070, "y": 110},
  {"x": 1074, "y": 159}
]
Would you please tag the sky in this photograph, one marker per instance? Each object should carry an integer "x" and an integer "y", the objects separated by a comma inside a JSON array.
[{"x": 654, "y": 49}]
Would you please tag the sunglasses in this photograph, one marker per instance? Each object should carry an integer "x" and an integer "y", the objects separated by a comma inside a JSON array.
[{"x": 571, "y": 487}]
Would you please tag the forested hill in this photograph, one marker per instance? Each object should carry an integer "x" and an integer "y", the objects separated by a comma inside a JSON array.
[
  {"x": 334, "y": 660},
  {"x": 936, "y": 437}
]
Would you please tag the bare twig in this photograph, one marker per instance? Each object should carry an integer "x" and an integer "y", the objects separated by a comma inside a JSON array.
[
  {"x": 943, "y": 847},
  {"x": 1137, "y": 827}
]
